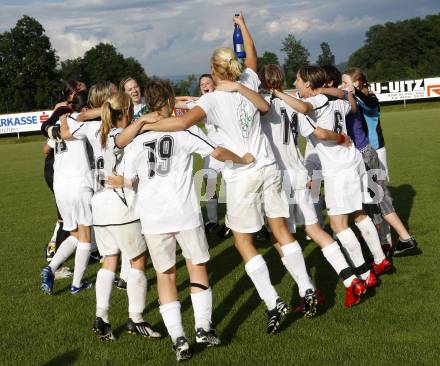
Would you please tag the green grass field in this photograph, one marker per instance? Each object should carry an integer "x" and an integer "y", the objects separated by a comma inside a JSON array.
[{"x": 399, "y": 325}]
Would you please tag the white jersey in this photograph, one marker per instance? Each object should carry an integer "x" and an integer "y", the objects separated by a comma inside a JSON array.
[
  {"x": 109, "y": 206},
  {"x": 330, "y": 115},
  {"x": 282, "y": 126},
  {"x": 237, "y": 122},
  {"x": 71, "y": 159},
  {"x": 166, "y": 200},
  {"x": 211, "y": 129}
]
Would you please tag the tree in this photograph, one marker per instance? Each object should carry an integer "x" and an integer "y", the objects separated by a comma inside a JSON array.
[
  {"x": 267, "y": 59},
  {"x": 186, "y": 86},
  {"x": 326, "y": 57},
  {"x": 28, "y": 68},
  {"x": 405, "y": 49},
  {"x": 296, "y": 56}
]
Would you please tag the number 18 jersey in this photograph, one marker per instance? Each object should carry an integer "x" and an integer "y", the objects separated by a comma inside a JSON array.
[{"x": 166, "y": 200}]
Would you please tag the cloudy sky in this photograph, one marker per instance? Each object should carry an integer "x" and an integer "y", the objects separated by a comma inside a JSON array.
[{"x": 177, "y": 37}]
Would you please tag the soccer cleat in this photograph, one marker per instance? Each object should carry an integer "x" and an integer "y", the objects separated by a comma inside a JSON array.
[
  {"x": 262, "y": 235},
  {"x": 50, "y": 250},
  {"x": 371, "y": 281},
  {"x": 144, "y": 329},
  {"x": 63, "y": 272},
  {"x": 103, "y": 330},
  {"x": 211, "y": 227},
  {"x": 47, "y": 279},
  {"x": 84, "y": 286},
  {"x": 224, "y": 231},
  {"x": 277, "y": 315},
  {"x": 403, "y": 246},
  {"x": 182, "y": 349},
  {"x": 354, "y": 292},
  {"x": 121, "y": 284},
  {"x": 309, "y": 303},
  {"x": 383, "y": 267},
  {"x": 209, "y": 338},
  {"x": 95, "y": 257}
]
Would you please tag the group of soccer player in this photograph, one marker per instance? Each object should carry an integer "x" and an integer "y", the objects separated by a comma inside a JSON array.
[{"x": 135, "y": 186}]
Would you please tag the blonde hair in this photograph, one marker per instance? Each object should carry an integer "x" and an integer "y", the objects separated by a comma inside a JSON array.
[
  {"x": 99, "y": 93},
  {"x": 272, "y": 77},
  {"x": 225, "y": 64},
  {"x": 113, "y": 110}
]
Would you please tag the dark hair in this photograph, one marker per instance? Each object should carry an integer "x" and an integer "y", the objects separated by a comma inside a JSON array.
[
  {"x": 158, "y": 93},
  {"x": 272, "y": 77},
  {"x": 205, "y": 76},
  {"x": 70, "y": 87},
  {"x": 79, "y": 101},
  {"x": 356, "y": 74},
  {"x": 315, "y": 75},
  {"x": 332, "y": 76}
]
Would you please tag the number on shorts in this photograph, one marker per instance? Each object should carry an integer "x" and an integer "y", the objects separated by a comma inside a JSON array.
[
  {"x": 339, "y": 122},
  {"x": 290, "y": 126},
  {"x": 159, "y": 153},
  {"x": 100, "y": 174},
  {"x": 60, "y": 147}
]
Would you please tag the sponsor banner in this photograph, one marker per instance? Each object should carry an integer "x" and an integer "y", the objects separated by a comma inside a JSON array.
[
  {"x": 22, "y": 122},
  {"x": 407, "y": 89}
]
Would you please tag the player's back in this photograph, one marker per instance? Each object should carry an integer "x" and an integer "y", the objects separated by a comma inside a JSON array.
[{"x": 163, "y": 162}]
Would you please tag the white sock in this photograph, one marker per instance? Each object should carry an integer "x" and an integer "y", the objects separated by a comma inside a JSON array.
[
  {"x": 202, "y": 306},
  {"x": 66, "y": 249},
  {"x": 137, "y": 293},
  {"x": 173, "y": 319},
  {"x": 82, "y": 256},
  {"x": 337, "y": 260},
  {"x": 54, "y": 234},
  {"x": 104, "y": 287},
  {"x": 211, "y": 209},
  {"x": 353, "y": 248},
  {"x": 294, "y": 262},
  {"x": 257, "y": 270},
  {"x": 371, "y": 237},
  {"x": 125, "y": 267}
]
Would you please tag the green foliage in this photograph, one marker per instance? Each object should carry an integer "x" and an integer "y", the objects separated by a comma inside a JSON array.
[
  {"x": 102, "y": 63},
  {"x": 326, "y": 57},
  {"x": 405, "y": 49},
  {"x": 28, "y": 72},
  {"x": 187, "y": 86},
  {"x": 296, "y": 56},
  {"x": 267, "y": 59}
]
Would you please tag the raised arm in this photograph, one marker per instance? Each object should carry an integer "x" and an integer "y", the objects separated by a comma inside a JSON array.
[
  {"x": 295, "y": 103},
  {"x": 64, "y": 128},
  {"x": 179, "y": 123},
  {"x": 256, "y": 99},
  {"x": 341, "y": 94},
  {"x": 129, "y": 133},
  {"x": 249, "y": 46}
]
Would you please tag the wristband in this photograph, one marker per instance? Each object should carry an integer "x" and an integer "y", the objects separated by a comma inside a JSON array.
[{"x": 341, "y": 139}]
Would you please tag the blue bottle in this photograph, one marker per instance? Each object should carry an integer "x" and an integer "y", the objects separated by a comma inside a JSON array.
[{"x": 238, "y": 42}]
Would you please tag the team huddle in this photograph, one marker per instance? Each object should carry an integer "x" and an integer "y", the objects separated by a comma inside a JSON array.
[{"x": 122, "y": 176}]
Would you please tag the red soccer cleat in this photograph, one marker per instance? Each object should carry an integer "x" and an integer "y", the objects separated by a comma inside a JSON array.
[
  {"x": 382, "y": 267},
  {"x": 354, "y": 292},
  {"x": 371, "y": 280}
]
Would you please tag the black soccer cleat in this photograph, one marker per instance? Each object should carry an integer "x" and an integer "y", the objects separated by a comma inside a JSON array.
[
  {"x": 224, "y": 231},
  {"x": 209, "y": 338},
  {"x": 144, "y": 329},
  {"x": 103, "y": 330},
  {"x": 277, "y": 315},
  {"x": 211, "y": 227},
  {"x": 403, "y": 246},
  {"x": 309, "y": 303},
  {"x": 182, "y": 349},
  {"x": 121, "y": 284}
]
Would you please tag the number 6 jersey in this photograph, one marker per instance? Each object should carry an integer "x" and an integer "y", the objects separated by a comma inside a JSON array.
[{"x": 166, "y": 201}]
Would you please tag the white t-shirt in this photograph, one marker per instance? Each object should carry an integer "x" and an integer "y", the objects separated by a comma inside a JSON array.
[
  {"x": 281, "y": 124},
  {"x": 166, "y": 200},
  {"x": 330, "y": 115},
  {"x": 71, "y": 159},
  {"x": 237, "y": 122},
  {"x": 109, "y": 206}
]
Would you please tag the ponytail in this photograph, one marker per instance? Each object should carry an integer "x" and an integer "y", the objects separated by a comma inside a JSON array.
[{"x": 225, "y": 64}]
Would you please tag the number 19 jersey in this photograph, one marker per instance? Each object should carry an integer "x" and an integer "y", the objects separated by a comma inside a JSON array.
[{"x": 166, "y": 200}]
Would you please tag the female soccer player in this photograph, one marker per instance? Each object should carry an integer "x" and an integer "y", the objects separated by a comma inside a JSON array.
[
  {"x": 117, "y": 227},
  {"x": 282, "y": 125},
  {"x": 169, "y": 212},
  {"x": 73, "y": 192},
  {"x": 131, "y": 86},
  {"x": 373, "y": 151},
  {"x": 237, "y": 120}
]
